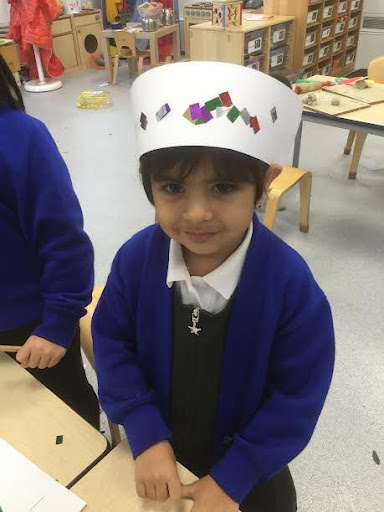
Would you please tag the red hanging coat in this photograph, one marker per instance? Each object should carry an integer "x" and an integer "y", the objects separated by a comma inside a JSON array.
[
  {"x": 164, "y": 44},
  {"x": 31, "y": 23}
]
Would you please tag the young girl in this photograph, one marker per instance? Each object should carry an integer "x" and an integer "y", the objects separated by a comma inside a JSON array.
[
  {"x": 46, "y": 258},
  {"x": 214, "y": 345}
]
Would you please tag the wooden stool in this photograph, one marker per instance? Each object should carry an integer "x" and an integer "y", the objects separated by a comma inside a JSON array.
[
  {"x": 87, "y": 346},
  {"x": 288, "y": 178}
]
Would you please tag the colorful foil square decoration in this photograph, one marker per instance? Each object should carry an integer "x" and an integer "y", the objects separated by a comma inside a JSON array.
[
  {"x": 206, "y": 116},
  {"x": 226, "y": 99},
  {"x": 213, "y": 104},
  {"x": 187, "y": 115},
  {"x": 222, "y": 111},
  {"x": 274, "y": 115},
  {"x": 246, "y": 116},
  {"x": 195, "y": 111},
  {"x": 233, "y": 114},
  {"x": 162, "y": 112},
  {"x": 255, "y": 124},
  {"x": 143, "y": 121}
]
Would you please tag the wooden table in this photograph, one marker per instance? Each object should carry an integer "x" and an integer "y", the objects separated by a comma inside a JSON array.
[
  {"x": 107, "y": 35},
  {"x": 368, "y": 120},
  {"x": 110, "y": 486},
  {"x": 32, "y": 417}
]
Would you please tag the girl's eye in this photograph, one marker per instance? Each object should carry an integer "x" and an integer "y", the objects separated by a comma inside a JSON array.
[
  {"x": 173, "y": 188},
  {"x": 223, "y": 188}
]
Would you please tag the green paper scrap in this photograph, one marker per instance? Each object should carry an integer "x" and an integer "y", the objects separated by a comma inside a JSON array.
[
  {"x": 199, "y": 121},
  {"x": 213, "y": 104},
  {"x": 59, "y": 439},
  {"x": 233, "y": 114},
  {"x": 1, "y": 510}
]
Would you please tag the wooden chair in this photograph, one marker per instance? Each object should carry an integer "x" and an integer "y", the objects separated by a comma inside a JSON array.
[
  {"x": 126, "y": 49},
  {"x": 288, "y": 178},
  {"x": 87, "y": 346},
  {"x": 376, "y": 73}
]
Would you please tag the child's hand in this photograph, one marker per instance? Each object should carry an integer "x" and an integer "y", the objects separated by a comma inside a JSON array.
[
  {"x": 208, "y": 497},
  {"x": 40, "y": 353},
  {"x": 156, "y": 473}
]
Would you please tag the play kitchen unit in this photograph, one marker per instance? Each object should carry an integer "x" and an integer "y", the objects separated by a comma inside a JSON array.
[
  {"x": 262, "y": 45},
  {"x": 194, "y": 13},
  {"x": 76, "y": 37},
  {"x": 327, "y": 33}
]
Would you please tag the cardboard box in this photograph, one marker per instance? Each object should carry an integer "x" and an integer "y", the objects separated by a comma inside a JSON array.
[{"x": 10, "y": 54}]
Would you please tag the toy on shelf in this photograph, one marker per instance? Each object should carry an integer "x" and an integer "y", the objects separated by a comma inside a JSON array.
[{"x": 227, "y": 13}]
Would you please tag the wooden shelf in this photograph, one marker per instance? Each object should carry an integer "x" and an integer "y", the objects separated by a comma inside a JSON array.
[
  {"x": 300, "y": 9},
  {"x": 314, "y": 24}
]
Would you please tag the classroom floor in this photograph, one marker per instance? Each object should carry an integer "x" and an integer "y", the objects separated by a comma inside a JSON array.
[{"x": 344, "y": 248}]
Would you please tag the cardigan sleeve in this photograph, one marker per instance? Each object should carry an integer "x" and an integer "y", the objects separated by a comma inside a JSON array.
[
  {"x": 124, "y": 392},
  {"x": 299, "y": 376}
]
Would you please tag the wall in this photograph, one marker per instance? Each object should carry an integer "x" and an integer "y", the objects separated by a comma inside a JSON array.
[{"x": 4, "y": 11}]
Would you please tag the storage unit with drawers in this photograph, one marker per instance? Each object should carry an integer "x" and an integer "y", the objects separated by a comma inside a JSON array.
[
  {"x": 327, "y": 33},
  {"x": 263, "y": 45}
]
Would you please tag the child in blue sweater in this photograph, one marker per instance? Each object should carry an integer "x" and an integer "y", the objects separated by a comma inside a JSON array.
[
  {"x": 214, "y": 344},
  {"x": 46, "y": 258}
]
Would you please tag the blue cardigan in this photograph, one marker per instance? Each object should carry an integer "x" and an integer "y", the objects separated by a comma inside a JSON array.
[
  {"x": 277, "y": 366},
  {"x": 46, "y": 258}
]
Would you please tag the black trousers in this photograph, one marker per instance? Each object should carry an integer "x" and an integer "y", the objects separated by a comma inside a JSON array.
[
  {"x": 276, "y": 495},
  {"x": 67, "y": 379}
]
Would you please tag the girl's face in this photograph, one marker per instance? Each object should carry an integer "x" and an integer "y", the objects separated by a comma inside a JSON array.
[{"x": 208, "y": 217}]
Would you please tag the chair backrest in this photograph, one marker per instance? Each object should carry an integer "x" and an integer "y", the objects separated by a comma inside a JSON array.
[
  {"x": 376, "y": 70},
  {"x": 85, "y": 326},
  {"x": 125, "y": 41}
]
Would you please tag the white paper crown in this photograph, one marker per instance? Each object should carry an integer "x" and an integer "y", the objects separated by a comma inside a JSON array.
[{"x": 215, "y": 104}]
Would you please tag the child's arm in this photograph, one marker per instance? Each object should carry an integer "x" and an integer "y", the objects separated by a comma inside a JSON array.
[
  {"x": 300, "y": 371},
  {"x": 124, "y": 392},
  {"x": 51, "y": 221}
]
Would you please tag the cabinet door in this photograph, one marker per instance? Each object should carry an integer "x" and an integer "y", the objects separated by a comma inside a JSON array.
[
  {"x": 64, "y": 48},
  {"x": 88, "y": 38}
]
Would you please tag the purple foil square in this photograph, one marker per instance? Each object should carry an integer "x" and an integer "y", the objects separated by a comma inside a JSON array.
[
  {"x": 162, "y": 112},
  {"x": 195, "y": 111},
  {"x": 206, "y": 115}
]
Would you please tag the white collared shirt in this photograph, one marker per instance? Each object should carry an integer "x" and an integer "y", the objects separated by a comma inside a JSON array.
[{"x": 212, "y": 291}]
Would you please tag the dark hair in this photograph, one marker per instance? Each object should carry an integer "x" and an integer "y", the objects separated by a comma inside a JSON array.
[
  {"x": 10, "y": 94},
  {"x": 281, "y": 78},
  {"x": 229, "y": 166}
]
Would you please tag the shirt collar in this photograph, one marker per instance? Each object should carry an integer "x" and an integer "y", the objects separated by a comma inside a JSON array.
[{"x": 223, "y": 279}]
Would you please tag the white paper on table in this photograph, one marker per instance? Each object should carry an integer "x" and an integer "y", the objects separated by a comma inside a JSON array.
[
  {"x": 254, "y": 17},
  {"x": 25, "y": 488}
]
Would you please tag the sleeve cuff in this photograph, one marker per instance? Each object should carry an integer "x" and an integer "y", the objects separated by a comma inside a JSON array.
[
  {"x": 57, "y": 328},
  {"x": 236, "y": 473},
  {"x": 145, "y": 427}
]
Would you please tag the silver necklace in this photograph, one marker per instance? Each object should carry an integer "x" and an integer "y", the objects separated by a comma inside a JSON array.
[{"x": 195, "y": 320}]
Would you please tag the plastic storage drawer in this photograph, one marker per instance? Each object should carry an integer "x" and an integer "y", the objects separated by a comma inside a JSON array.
[
  {"x": 326, "y": 31},
  {"x": 325, "y": 69},
  {"x": 279, "y": 34},
  {"x": 313, "y": 16},
  {"x": 355, "y": 5},
  {"x": 311, "y": 38},
  {"x": 337, "y": 45},
  {"x": 324, "y": 50},
  {"x": 353, "y": 22},
  {"x": 278, "y": 58},
  {"x": 328, "y": 11},
  {"x": 351, "y": 40},
  {"x": 256, "y": 62},
  {"x": 340, "y": 27},
  {"x": 309, "y": 58},
  {"x": 254, "y": 42},
  {"x": 350, "y": 58},
  {"x": 343, "y": 7}
]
